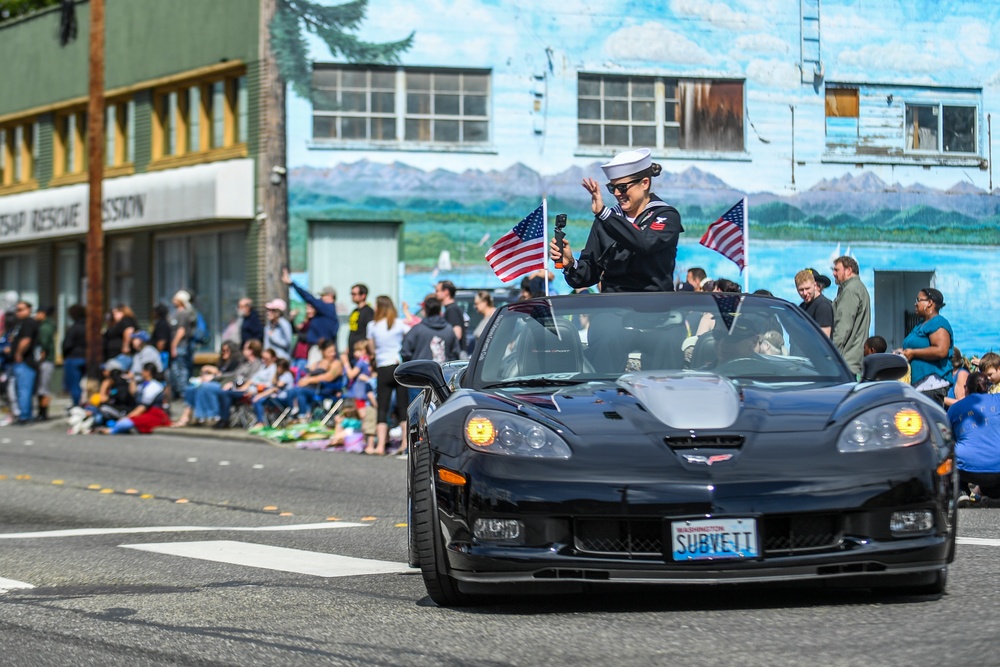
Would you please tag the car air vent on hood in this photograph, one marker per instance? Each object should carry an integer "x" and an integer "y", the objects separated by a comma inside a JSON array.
[
  {"x": 612, "y": 415},
  {"x": 706, "y": 441}
]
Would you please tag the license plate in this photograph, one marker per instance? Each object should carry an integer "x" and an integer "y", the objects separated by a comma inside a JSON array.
[{"x": 714, "y": 539}]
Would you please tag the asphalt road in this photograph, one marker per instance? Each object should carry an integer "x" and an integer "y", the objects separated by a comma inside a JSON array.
[{"x": 149, "y": 550}]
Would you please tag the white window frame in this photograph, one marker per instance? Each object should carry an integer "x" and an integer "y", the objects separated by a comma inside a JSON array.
[
  {"x": 400, "y": 114},
  {"x": 939, "y": 149}
]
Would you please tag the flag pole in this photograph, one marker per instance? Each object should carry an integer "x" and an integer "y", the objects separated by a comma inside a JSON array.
[
  {"x": 545, "y": 243},
  {"x": 746, "y": 245}
]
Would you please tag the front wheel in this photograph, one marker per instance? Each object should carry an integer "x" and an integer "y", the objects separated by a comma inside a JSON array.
[{"x": 441, "y": 587}]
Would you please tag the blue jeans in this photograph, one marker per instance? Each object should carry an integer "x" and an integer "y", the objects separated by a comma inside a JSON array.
[
  {"x": 73, "y": 371},
  {"x": 24, "y": 384},
  {"x": 279, "y": 401},
  {"x": 180, "y": 373},
  {"x": 206, "y": 400}
]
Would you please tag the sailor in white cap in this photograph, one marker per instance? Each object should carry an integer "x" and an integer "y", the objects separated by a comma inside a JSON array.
[{"x": 633, "y": 246}]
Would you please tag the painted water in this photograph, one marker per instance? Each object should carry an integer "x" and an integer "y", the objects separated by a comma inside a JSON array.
[{"x": 961, "y": 273}]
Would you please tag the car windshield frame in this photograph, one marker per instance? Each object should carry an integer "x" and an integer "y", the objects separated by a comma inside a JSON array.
[{"x": 756, "y": 341}]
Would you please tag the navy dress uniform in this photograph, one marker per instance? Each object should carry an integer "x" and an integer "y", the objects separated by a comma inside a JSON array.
[{"x": 623, "y": 254}]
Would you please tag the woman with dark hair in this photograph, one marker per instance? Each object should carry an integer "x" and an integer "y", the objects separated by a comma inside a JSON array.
[
  {"x": 160, "y": 337},
  {"x": 633, "y": 246},
  {"x": 74, "y": 350},
  {"x": 977, "y": 447},
  {"x": 229, "y": 360},
  {"x": 928, "y": 347},
  {"x": 385, "y": 333},
  {"x": 118, "y": 335},
  {"x": 483, "y": 303}
]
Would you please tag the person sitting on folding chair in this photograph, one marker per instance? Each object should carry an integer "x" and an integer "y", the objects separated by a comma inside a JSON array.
[
  {"x": 148, "y": 412},
  {"x": 233, "y": 392},
  {"x": 324, "y": 379},
  {"x": 275, "y": 396}
]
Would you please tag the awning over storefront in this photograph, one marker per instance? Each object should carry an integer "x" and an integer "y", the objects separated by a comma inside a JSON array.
[{"x": 213, "y": 191}]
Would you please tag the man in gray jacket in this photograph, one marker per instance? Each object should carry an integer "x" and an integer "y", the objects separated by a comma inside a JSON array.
[
  {"x": 432, "y": 337},
  {"x": 852, "y": 312}
]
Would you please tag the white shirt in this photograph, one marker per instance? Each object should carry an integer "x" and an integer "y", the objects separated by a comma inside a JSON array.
[{"x": 387, "y": 341}]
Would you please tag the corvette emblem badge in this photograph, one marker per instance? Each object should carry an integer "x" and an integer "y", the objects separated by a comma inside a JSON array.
[{"x": 707, "y": 460}]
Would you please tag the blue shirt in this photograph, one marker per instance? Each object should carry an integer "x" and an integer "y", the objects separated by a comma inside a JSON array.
[
  {"x": 975, "y": 420},
  {"x": 920, "y": 338},
  {"x": 325, "y": 323}
]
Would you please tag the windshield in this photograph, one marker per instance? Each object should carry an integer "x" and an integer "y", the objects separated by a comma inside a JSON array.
[{"x": 574, "y": 339}]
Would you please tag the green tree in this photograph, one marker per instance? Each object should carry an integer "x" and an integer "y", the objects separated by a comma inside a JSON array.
[
  {"x": 333, "y": 24},
  {"x": 11, "y": 9}
]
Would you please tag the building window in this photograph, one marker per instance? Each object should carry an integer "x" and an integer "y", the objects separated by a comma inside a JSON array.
[
  {"x": 842, "y": 112},
  {"x": 119, "y": 133},
  {"x": 242, "y": 111},
  {"x": 70, "y": 143},
  {"x": 939, "y": 128},
  {"x": 200, "y": 120},
  {"x": 122, "y": 280},
  {"x": 893, "y": 124},
  {"x": 657, "y": 112},
  {"x": 212, "y": 266},
  {"x": 18, "y": 153},
  {"x": 417, "y": 106}
]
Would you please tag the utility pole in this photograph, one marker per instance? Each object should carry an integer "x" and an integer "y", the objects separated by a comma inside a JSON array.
[
  {"x": 272, "y": 177},
  {"x": 95, "y": 161}
]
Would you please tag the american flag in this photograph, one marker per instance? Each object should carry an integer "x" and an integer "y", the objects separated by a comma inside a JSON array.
[
  {"x": 726, "y": 235},
  {"x": 729, "y": 306},
  {"x": 521, "y": 250}
]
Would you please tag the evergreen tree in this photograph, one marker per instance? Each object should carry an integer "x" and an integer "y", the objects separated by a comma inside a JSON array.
[{"x": 333, "y": 24}]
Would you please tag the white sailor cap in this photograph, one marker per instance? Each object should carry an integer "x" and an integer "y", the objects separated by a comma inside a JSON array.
[{"x": 627, "y": 163}]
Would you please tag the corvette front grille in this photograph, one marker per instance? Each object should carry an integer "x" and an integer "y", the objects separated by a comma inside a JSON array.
[
  {"x": 619, "y": 537},
  {"x": 781, "y": 535},
  {"x": 706, "y": 441},
  {"x": 786, "y": 535}
]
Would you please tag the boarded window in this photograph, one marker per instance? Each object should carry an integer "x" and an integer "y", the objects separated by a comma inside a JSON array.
[
  {"x": 686, "y": 114},
  {"x": 711, "y": 115},
  {"x": 842, "y": 103}
]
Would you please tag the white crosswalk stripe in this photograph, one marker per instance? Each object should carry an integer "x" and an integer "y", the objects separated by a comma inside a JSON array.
[
  {"x": 273, "y": 558},
  {"x": 9, "y": 585}
]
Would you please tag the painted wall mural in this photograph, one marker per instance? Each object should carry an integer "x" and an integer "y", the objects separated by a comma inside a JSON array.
[{"x": 878, "y": 146}]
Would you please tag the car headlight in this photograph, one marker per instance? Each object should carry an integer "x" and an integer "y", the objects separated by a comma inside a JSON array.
[
  {"x": 512, "y": 435},
  {"x": 884, "y": 427}
]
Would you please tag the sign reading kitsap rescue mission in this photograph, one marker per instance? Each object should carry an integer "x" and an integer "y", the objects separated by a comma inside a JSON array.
[
  {"x": 71, "y": 217},
  {"x": 221, "y": 190}
]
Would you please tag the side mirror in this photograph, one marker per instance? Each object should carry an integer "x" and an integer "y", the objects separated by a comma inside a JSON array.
[
  {"x": 883, "y": 366},
  {"x": 423, "y": 374}
]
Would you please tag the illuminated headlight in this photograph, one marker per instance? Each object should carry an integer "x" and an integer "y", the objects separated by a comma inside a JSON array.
[
  {"x": 512, "y": 435},
  {"x": 498, "y": 530},
  {"x": 912, "y": 521},
  {"x": 884, "y": 427}
]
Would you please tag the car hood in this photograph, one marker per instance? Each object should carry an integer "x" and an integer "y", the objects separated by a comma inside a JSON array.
[{"x": 689, "y": 401}]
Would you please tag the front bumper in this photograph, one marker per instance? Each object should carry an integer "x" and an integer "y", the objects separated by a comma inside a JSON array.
[{"x": 833, "y": 527}]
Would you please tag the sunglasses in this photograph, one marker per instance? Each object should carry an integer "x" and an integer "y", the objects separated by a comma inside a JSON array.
[{"x": 621, "y": 188}]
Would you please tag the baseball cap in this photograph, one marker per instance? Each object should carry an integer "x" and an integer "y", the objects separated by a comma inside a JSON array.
[
  {"x": 141, "y": 335},
  {"x": 328, "y": 290},
  {"x": 276, "y": 304}
]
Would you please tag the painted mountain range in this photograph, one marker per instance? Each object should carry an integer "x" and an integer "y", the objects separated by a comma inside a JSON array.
[{"x": 347, "y": 184}]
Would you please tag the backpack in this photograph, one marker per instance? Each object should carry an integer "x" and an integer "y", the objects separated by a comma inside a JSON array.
[{"x": 199, "y": 334}]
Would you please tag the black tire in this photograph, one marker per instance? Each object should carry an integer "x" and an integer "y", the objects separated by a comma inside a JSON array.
[{"x": 441, "y": 587}]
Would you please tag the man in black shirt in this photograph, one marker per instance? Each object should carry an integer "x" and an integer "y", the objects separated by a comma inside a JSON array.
[
  {"x": 23, "y": 338},
  {"x": 453, "y": 313},
  {"x": 357, "y": 323},
  {"x": 810, "y": 283}
]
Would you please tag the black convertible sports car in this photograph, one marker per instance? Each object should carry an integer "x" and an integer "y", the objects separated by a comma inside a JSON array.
[{"x": 600, "y": 439}]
